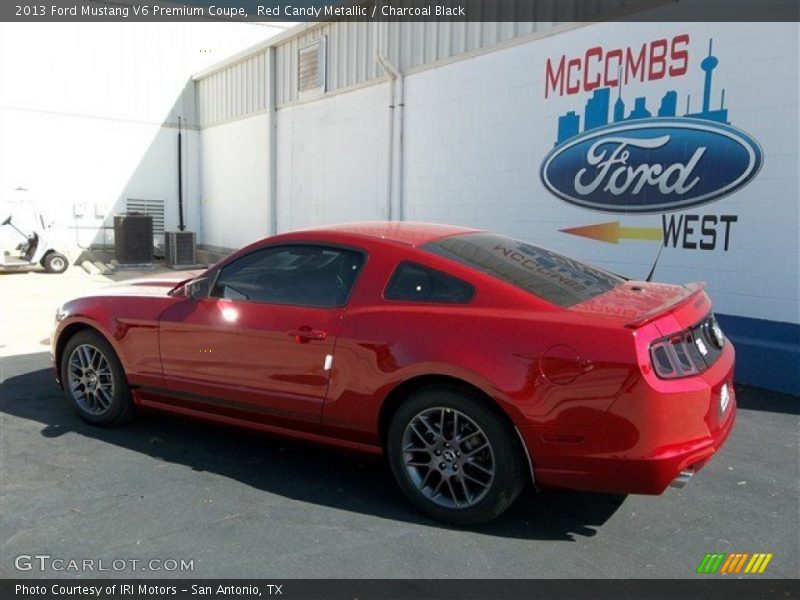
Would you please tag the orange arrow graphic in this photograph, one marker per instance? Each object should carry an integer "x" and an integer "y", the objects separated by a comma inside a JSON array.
[{"x": 612, "y": 233}]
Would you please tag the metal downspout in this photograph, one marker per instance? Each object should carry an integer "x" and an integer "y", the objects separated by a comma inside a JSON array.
[
  {"x": 272, "y": 145},
  {"x": 394, "y": 183}
]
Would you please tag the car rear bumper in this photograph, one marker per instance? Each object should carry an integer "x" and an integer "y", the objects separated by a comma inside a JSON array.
[{"x": 646, "y": 440}]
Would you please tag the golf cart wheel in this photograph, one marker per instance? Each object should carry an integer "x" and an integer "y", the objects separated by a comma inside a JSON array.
[{"x": 55, "y": 263}]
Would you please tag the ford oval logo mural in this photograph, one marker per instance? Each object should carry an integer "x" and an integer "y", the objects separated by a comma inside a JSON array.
[
  {"x": 635, "y": 158},
  {"x": 651, "y": 165}
]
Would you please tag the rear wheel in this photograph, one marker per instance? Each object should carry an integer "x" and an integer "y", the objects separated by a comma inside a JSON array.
[
  {"x": 455, "y": 458},
  {"x": 55, "y": 263},
  {"x": 94, "y": 381}
]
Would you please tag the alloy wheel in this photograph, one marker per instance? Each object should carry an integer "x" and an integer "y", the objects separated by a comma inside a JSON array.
[
  {"x": 90, "y": 379},
  {"x": 448, "y": 457}
]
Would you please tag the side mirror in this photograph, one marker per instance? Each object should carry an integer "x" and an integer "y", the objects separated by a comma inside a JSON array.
[{"x": 199, "y": 288}]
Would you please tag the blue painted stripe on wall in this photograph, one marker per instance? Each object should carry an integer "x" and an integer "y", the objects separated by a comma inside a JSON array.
[{"x": 767, "y": 352}]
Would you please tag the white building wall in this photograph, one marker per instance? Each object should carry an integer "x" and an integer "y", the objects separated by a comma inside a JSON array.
[
  {"x": 95, "y": 164},
  {"x": 234, "y": 180},
  {"x": 332, "y": 159},
  {"x": 477, "y": 132},
  {"x": 88, "y": 117}
]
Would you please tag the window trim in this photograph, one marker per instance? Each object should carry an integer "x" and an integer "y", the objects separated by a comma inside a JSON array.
[
  {"x": 286, "y": 244},
  {"x": 414, "y": 263}
]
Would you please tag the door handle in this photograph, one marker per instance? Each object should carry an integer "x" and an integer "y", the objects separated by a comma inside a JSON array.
[{"x": 306, "y": 334}]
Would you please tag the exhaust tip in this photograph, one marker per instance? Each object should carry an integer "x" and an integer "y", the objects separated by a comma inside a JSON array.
[{"x": 682, "y": 479}]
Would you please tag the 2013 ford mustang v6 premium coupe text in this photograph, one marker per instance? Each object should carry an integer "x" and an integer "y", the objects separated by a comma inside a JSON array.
[{"x": 475, "y": 362}]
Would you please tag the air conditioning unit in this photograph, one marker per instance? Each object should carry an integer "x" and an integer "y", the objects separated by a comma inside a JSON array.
[
  {"x": 133, "y": 238},
  {"x": 179, "y": 248}
]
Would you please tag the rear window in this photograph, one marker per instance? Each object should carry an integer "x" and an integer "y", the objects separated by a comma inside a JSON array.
[{"x": 551, "y": 276}]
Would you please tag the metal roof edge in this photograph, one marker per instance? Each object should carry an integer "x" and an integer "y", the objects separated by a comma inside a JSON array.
[{"x": 275, "y": 40}]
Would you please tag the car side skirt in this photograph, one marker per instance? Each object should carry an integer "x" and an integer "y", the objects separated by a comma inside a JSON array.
[{"x": 160, "y": 400}]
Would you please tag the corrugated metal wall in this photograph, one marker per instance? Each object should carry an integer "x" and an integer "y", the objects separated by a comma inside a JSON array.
[
  {"x": 350, "y": 57},
  {"x": 234, "y": 91},
  {"x": 240, "y": 89}
]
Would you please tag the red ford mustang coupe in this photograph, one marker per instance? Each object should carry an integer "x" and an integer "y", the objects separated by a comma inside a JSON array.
[{"x": 475, "y": 362}]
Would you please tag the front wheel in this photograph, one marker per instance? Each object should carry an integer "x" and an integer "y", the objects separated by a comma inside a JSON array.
[
  {"x": 454, "y": 457},
  {"x": 94, "y": 381}
]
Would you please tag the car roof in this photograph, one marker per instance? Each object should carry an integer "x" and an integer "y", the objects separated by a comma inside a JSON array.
[{"x": 404, "y": 232}]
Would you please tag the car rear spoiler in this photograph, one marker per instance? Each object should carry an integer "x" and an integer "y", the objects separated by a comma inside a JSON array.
[{"x": 690, "y": 292}]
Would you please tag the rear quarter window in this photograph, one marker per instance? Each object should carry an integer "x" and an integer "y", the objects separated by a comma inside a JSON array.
[
  {"x": 553, "y": 277},
  {"x": 412, "y": 282}
]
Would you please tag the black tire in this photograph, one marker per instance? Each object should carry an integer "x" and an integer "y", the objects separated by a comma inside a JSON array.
[
  {"x": 55, "y": 262},
  {"x": 116, "y": 405},
  {"x": 509, "y": 466}
]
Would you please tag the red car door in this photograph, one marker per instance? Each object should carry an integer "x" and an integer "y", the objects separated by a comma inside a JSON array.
[{"x": 260, "y": 346}]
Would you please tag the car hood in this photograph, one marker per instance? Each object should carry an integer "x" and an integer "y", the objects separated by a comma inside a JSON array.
[
  {"x": 635, "y": 302},
  {"x": 151, "y": 285}
]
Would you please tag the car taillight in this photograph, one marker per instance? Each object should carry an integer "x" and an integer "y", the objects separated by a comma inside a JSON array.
[
  {"x": 688, "y": 352},
  {"x": 676, "y": 356}
]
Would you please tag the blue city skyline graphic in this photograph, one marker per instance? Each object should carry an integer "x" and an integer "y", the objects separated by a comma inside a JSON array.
[{"x": 598, "y": 107}]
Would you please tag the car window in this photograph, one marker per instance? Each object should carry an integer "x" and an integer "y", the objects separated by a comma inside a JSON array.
[
  {"x": 551, "y": 276},
  {"x": 305, "y": 275},
  {"x": 411, "y": 282}
]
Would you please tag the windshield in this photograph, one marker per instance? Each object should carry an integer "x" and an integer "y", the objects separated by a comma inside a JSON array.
[{"x": 551, "y": 276}]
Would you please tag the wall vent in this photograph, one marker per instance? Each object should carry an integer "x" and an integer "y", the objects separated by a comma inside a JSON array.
[
  {"x": 153, "y": 208},
  {"x": 311, "y": 67}
]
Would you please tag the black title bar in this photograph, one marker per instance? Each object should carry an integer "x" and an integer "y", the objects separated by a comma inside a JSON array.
[
  {"x": 403, "y": 10},
  {"x": 707, "y": 588}
]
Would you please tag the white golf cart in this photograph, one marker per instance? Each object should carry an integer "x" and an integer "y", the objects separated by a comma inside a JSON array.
[{"x": 35, "y": 250}]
